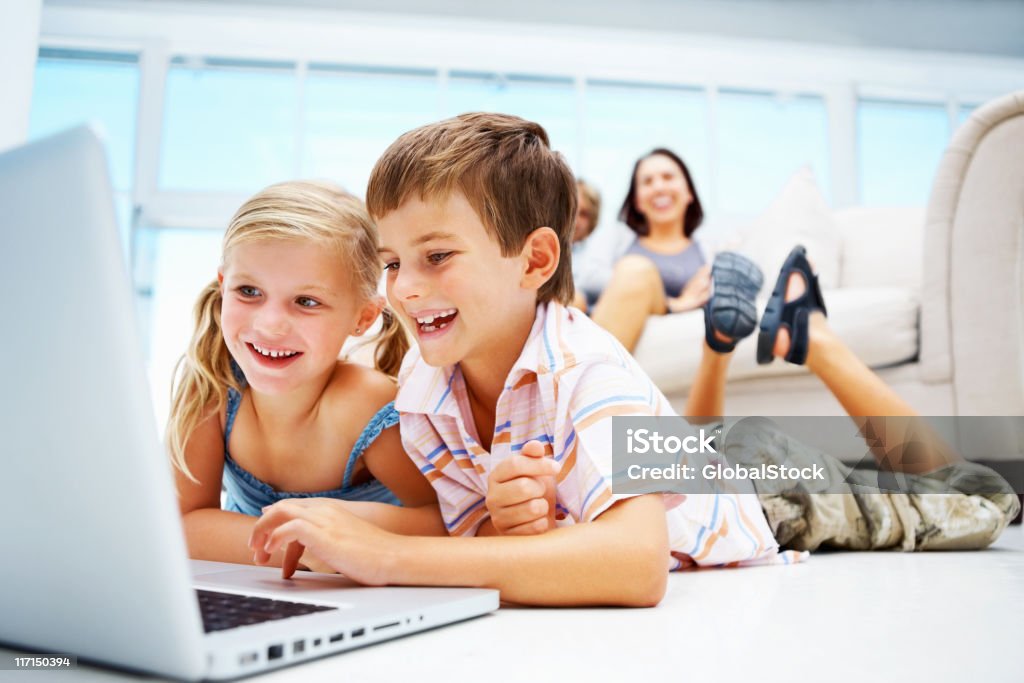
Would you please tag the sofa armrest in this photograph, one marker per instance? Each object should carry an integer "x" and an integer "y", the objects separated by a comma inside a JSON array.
[{"x": 972, "y": 291}]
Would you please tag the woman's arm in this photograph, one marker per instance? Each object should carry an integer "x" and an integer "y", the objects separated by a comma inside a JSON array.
[
  {"x": 620, "y": 558},
  {"x": 695, "y": 292}
]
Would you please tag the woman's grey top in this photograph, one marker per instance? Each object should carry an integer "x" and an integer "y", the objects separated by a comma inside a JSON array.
[{"x": 675, "y": 269}]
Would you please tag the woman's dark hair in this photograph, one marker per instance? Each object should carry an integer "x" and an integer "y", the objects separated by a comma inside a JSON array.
[{"x": 628, "y": 214}]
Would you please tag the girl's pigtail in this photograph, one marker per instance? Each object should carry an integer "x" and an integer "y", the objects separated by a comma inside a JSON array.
[
  {"x": 392, "y": 343},
  {"x": 202, "y": 375}
]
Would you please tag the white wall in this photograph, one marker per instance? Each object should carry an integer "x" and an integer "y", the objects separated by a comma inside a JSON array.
[
  {"x": 19, "y": 42},
  {"x": 672, "y": 55},
  {"x": 985, "y": 27}
]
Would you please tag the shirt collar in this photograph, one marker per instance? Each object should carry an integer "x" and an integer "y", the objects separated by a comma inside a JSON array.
[
  {"x": 426, "y": 389},
  {"x": 432, "y": 390}
]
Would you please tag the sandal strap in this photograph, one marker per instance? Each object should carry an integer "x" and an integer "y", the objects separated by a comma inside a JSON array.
[
  {"x": 811, "y": 299},
  {"x": 793, "y": 315},
  {"x": 815, "y": 288},
  {"x": 799, "y": 336}
]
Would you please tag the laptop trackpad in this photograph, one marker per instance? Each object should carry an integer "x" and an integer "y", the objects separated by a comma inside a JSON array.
[{"x": 267, "y": 582}]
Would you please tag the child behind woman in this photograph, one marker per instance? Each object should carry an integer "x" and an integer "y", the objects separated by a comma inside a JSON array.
[{"x": 262, "y": 405}]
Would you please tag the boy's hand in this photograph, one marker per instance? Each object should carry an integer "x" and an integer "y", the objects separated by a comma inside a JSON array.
[
  {"x": 521, "y": 492},
  {"x": 321, "y": 528}
]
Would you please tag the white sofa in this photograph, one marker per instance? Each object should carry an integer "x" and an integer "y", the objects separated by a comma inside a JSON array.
[
  {"x": 932, "y": 299},
  {"x": 874, "y": 308}
]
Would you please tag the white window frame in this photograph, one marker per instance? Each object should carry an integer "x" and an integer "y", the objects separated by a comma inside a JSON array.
[{"x": 840, "y": 76}]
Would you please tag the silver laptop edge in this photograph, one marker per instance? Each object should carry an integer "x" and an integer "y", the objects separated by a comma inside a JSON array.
[{"x": 97, "y": 565}]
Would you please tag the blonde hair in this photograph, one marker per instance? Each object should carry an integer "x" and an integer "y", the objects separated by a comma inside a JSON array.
[
  {"x": 506, "y": 169},
  {"x": 305, "y": 211}
]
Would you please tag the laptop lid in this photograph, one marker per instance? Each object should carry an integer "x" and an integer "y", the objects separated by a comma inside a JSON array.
[{"x": 95, "y": 555}]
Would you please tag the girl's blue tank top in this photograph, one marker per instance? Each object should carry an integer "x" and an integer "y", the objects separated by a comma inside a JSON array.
[{"x": 249, "y": 495}]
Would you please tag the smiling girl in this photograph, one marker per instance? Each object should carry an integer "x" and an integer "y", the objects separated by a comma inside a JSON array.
[{"x": 262, "y": 406}]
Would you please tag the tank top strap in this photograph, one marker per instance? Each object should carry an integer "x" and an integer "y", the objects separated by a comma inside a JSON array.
[
  {"x": 234, "y": 401},
  {"x": 385, "y": 418}
]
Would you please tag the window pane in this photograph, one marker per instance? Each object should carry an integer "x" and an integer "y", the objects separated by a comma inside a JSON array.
[
  {"x": 352, "y": 117},
  {"x": 899, "y": 145},
  {"x": 965, "y": 113},
  {"x": 227, "y": 128},
  {"x": 179, "y": 264},
  {"x": 625, "y": 122},
  {"x": 762, "y": 140},
  {"x": 123, "y": 209},
  {"x": 551, "y": 102},
  {"x": 72, "y": 88}
]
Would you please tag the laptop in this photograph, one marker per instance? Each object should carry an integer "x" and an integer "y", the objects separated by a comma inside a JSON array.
[{"x": 95, "y": 560}]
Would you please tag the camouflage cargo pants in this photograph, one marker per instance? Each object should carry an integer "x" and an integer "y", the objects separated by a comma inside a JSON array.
[{"x": 962, "y": 506}]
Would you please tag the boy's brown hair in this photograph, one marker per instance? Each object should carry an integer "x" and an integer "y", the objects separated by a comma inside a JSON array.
[{"x": 505, "y": 168}]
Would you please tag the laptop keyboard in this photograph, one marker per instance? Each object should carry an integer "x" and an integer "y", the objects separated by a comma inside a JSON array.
[{"x": 222, "y": 611}]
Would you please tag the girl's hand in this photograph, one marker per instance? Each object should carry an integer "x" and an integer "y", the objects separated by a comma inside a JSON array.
[
  {"x": 695, "y": 294},
  {"x": 323, "y": 529},
  {"x": 312, "y": 563}
]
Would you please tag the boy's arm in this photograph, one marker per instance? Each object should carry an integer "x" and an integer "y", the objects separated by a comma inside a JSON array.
[{"x": 618, "y": 559}]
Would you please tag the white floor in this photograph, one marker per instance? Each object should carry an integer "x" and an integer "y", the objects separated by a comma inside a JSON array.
[{"x": 840, "y": 616}]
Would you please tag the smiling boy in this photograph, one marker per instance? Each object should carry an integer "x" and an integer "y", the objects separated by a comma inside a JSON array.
[{"x": 476, "y": 216}]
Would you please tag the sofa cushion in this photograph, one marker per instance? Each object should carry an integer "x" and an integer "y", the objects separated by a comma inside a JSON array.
[
  {"x": 799, "y": 215},
  {"x": 881, "y": 247},
  {"x": 878, "y": 323}
]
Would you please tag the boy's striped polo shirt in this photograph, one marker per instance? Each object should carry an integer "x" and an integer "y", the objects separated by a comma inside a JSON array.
[{"x": 571, "y": 378}]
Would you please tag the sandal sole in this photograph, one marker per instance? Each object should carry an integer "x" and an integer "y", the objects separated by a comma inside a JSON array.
[{"x": 732, "y": 308}]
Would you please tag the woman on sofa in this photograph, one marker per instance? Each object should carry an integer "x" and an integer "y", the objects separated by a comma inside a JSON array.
[{"x": 664, "y": 270}]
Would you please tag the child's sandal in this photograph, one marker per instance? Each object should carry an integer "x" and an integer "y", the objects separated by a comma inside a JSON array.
[
  {"x": 794, "y": 315},
  {"x": 731, "y": 309}
]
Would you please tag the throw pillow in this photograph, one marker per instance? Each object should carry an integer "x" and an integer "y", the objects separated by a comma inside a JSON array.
[{"x": 799, "y": 215}]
